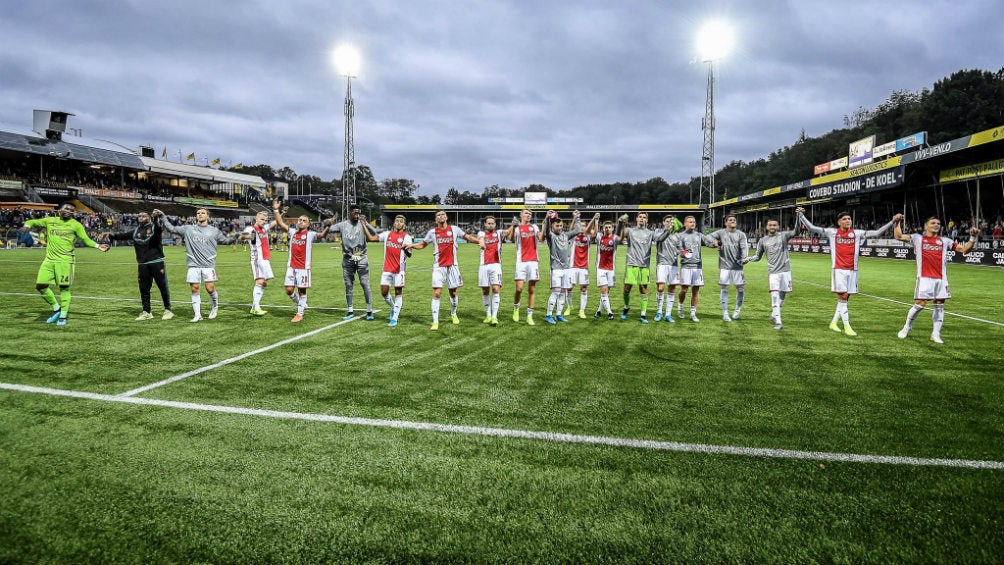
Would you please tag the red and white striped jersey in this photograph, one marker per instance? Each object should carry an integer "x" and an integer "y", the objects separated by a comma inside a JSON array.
[
  {"x": 606, "y": 249},
  {"x": 526, "y": 242},
  {"x": 580, "y": 252},
  {"x": 300, "y": 244},
  {"x": 446, "y": 240},
  {"x": 492, "y": 253},
  {"x": 393, "y": 251},
  {"x": 932, "y": 255},
  {"x": 259, "y": 245}
]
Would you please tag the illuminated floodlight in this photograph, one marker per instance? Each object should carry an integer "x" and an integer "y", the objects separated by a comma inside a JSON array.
[
  {"x": 714, "y": 40},
  {"x": 346, "y": 59}
]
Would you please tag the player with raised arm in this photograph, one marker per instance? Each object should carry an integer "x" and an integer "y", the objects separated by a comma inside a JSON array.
[
  {"x": 845, "y": 248},
  {"x": 775, "y": 246},
  {"x": 931, "y": 251},
  {"x": 691, "y": 266},
  {"x": 559, "y": 242},
  {"x": 490, "y": 270},
  {"x": 200, "y": 256},
  {"x": 59, "y": 265},
  {"x": 301, "y": 243},
  {"x": 639, "y": 257},
  {"x": 667, "y": 273},
  {"x": 261, "y": 257},
  {"x": 733, "y": 248},
  {"x": 445, "y": 268},
  {"x": 524, "y": 234},
  {"x": 147, "y": 242},
  {"x": 395, "y": 257},
  {"x": 606, "y": 260},
  {"x": 579, "y": 273},
  {"x": 355, "y": 262}
]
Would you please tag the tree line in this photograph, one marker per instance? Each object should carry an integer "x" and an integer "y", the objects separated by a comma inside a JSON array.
[{"x": 965, "y": 102}]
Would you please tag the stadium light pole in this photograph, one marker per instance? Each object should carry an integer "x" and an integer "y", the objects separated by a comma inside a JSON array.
[
  {"x": 346, "y": 59},
  {"x": 714, "y": 41}
]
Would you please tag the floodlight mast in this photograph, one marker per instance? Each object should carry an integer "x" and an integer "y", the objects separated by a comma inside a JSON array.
[
  {"x": 349, "y": 159},
  {"x": 708, "y": 151}
]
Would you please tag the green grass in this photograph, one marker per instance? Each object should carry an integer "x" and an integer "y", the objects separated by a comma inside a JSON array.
[{"x": 91, "y": 481}]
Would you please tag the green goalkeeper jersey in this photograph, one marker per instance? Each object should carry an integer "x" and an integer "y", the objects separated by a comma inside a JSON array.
[{"x": 60, "y": 237}]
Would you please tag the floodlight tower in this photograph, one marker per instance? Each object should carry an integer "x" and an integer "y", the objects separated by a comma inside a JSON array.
[
  {"x": 713, "y": 42},
  {"x": 346, "y": 59}
]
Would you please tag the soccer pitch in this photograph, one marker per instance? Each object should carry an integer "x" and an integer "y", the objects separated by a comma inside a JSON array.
[{"x": 254, "y": 440}]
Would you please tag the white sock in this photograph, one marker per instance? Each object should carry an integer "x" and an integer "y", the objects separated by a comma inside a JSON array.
[
  {"x": 496, "y": 302},
  {"x": 435, "y": 310},
  {"x": 454, "y": 302},
  {"x": 693, "y": 311},
  {"x": 938, "y": 316},
  {"x": 670, "y": 298},
  {"x": 301, "y": 303},
  {"x": 775, "y": 306},
  {"x": 724, "y": 299},
  {"x": 256, "y": 295},
  {"x": 216, "y": 298},
  {"x": 486, "y": 301},
  {"x": 912, "y": 315},
  {"x": 197, "y": 303},
  {"x": 845, "y": 314},
  {"x": 388, "y": 300},
  {"x": 840, "y": 306},
  {"x": 398, "y": 303},
  {"x": 294, "y": 297},
  {"x": 583, "y": 299},
  {"x": 660, "y": 298},
  {"x": 551, "y": 302},
  {"x": 561, "y": 301},
  {"x": 740, "y": 297}
]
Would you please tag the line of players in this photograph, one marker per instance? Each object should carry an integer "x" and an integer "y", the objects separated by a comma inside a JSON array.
[{"x": 678, "y": 263}]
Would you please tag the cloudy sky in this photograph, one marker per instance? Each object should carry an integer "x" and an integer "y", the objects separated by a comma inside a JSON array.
[{"x": 468, "y": 94}]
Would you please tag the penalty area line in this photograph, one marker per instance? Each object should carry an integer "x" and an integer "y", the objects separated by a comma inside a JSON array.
[
  {"x": 963, "y": 316},
  {"x": 240, "y": 357},
  {"x": 525, "y": 434}
]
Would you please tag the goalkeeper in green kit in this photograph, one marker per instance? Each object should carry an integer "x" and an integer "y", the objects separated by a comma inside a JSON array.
[{"x": 57, "y": 268}]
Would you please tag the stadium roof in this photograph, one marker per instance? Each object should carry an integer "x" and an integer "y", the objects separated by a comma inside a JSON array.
[
  {"x": 196, "y": 172},
  {"x": 79, "y": 149}
]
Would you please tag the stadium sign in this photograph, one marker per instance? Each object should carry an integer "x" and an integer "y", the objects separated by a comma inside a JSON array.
[
  {"x": 983, "y": 253},
  {"x": 155, "y": 198},
  {"x": 50, "y": 191},
  {"x": 108, "y": 193},
  {"x": 972, "y": 171},
  {"x": 875, "y": 181},
  {"x": 11, "y": 184},
  {"x": 860, "y": 152}
]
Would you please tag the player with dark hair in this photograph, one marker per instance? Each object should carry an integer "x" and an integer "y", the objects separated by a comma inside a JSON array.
[
  {"x": 559, "y": 242},
  {"x": 301, "y": 243},
  {"x": 637, "y": 261},
  {"x": 733, "y": 247},
  {"x": 59, "y": 265},
  {"x": 845, "y": 248},
  {"x": 147, "y": 242},
  {"x": 355, "y": 231},
  {"x": 445, "y": 267},
  {"x": 775, "y": 246},
  {"x": 931, "y": 250},
  {"x": 691, "y": 266},
  {"x": 200, "y": 255},
  {"x": 490, "y": 270}
]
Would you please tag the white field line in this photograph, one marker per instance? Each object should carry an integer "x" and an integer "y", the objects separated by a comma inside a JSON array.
[
  {"x": 525, "y": 434},
  {"x": 156, "y": 301},
  {"x": 193, "y": 372},
  {"x": 991, "y": 322}
]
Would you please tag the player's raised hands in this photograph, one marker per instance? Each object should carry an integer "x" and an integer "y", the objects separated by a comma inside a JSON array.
[
  {"x": 974, "y": 231},
  {"x": 800, "y": 211},
  {"x": 898, "y": 218}
]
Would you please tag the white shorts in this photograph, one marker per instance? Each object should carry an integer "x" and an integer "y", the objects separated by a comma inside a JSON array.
[
  {"x": 844, "y": 281},
  {"x": 199, "y": 274},
  {"x": 490, "y": 275},
  {"x": 731, "y": 276},
  {"x": 780, "y": 282},
  {"x": 691, "y": 277},
  {"x": 527, "y": 271},
  {"x": 931, "y": 289},
  {"x": 605, "y": 278},
  {"x": 667, "y": 274},
  {"x": 446, "y": 276},
  {"x": 579, "y": 276},
  {"x": 395, "y": 280},
  {"x": 300, "y": 278},
  {"x": 262, "y": 269},
  {"x": 561, "y": 278}
]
